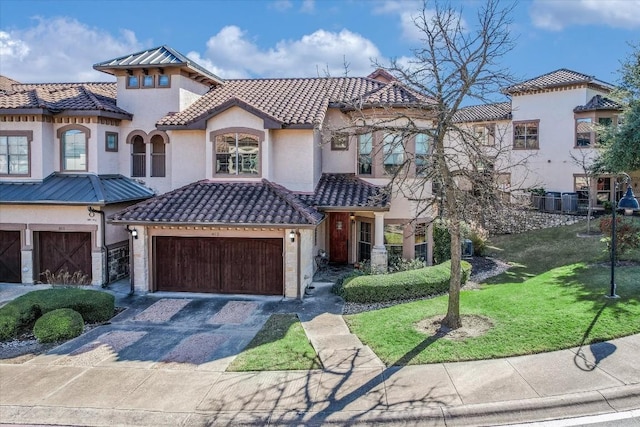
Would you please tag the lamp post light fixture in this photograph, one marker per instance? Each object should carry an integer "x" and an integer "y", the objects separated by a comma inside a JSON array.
[{"x": 628, "y": 204}]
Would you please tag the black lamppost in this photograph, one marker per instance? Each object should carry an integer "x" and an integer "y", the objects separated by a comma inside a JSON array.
[{"x": 627, "y": 204}]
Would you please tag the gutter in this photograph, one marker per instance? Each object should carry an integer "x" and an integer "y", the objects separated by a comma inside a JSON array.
[{"x": 105, "y": 274}]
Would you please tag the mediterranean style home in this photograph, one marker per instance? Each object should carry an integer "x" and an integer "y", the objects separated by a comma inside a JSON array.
[
  {"x": 189, "y": 182},
  {"x": 547, "y": 136}
]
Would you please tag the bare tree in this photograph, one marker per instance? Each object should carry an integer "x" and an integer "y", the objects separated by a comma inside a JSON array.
[
  {"x": 586, "y": 161},
  {"x": 457, "y": 61}
]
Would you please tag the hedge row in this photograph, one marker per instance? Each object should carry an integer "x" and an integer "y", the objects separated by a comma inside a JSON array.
[
  {"x": 93, "y": 306},
  {"x": 402, "y": 285}
]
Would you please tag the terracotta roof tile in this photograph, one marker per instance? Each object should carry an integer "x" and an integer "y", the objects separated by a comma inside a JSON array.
[
  {"x": 207, "y": 202},
  {"x": 598, "y": 102},
  {"x": 483, "y": 113},
  {"x": 293, "y": 101},
  {"x": 558, "y": 78},
  {"x": 58, "y": 97},
  {"x": 346, "y": 190}
]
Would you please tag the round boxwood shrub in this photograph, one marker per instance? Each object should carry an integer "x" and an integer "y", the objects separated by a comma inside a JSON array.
[{"x": 58, "y": 325}]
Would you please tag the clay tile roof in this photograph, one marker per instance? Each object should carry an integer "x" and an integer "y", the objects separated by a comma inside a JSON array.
[
  {"x": 211, "y": 203},
  {"x": 598, "y": 102},
  {"x": 558, "y": 78},
  {"x": 58, "y": 97},
  {"x": 292, "y": 102},
  {"x": 345, "y": 190},
  {"x": 484, "y": 113},
  {"x": 6, "y": 84}
]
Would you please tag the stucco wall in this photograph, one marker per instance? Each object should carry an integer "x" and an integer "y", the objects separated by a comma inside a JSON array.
[
  {"x": 41, "y": 162},
  {"x": 189, "y": 159},
  {"x": 293, "y": 152}
]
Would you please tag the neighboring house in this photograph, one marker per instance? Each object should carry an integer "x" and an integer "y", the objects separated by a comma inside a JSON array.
[
  {"x": 550, "y": 128},
  {"x": 252, "y": 180}
]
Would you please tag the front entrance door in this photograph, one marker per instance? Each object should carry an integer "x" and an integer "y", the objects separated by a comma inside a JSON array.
[{"x": 339, "y": 237}]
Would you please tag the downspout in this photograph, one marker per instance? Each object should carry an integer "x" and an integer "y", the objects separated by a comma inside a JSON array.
[
  {"x": 299, "y": 266},
  {"x": 105, "y": 274}
]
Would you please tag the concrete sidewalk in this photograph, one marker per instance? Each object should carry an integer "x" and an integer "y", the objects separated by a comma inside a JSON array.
[{"x": 97, "y": 388}]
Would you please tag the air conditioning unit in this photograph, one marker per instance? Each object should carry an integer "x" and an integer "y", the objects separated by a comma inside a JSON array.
[{"x": 467, "y": 248}]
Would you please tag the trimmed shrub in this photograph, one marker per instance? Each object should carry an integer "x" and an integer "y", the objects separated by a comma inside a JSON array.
[
  {"x": 93, "y": 306},
  {"x": 58, "y": 325},
  {"x": 402, "y": 285}
]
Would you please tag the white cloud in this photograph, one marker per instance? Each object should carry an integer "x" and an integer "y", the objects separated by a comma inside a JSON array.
[
  {"x": 60, "y": 50},
  {"x": 281, "y": 5},
  {"x": 232, "y": 54},
  {"x": 308, "y": 6},
  {"x": 557, "y": 14}
]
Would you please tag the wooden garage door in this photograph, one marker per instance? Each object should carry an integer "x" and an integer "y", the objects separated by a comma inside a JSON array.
[
  {"x": 218, "y": 265},
  {"x": 10, "y": 257},
  {"x": 64, "y": 250}
]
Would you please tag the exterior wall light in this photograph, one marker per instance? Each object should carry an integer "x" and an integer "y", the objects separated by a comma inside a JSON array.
[
  {"x": 292, "y": 236},
  {"x": 133, "y": 232}
]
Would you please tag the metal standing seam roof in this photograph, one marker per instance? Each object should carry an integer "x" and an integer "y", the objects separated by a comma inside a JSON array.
[
  {"x": 161, "y": 56},
  {"x": 598, "y": 102},
  {"x": 74, "y": 189},
  {"x": 292, "y": 102},
  {"x": 558, "y": 78},
  {"x": 215, "y": 203},
  {"x": 483, "y": 113},
  {"x": 55, "y": 98}
]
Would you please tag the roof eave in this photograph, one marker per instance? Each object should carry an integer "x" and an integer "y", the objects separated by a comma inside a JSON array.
[
  {"x": 53, "y": 202},
  {"x": 76, "y": 113},
  {"x": 210, "y": 224}
]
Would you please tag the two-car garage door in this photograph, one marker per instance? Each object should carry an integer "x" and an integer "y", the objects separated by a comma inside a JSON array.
[{"x": 218, "y": 265}]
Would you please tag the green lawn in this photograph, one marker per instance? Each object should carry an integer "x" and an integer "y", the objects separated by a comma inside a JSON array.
[
  {"x": 281, "y": 344},
  {"x": 549, "y": 302}
]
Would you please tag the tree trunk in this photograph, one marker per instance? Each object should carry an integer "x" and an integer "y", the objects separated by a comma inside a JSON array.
[{"x": 452, "y": 320}]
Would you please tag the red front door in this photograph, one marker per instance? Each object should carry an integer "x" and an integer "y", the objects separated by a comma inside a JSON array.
[{"x": 339, "y": 237}]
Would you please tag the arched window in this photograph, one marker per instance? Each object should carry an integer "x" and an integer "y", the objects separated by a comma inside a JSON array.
[
  {"x": 158, "y": 157},
  {"x": 74, "y": 150},
  {"x": 138, "y": 157},
  {"x": 237, "y": 154}
]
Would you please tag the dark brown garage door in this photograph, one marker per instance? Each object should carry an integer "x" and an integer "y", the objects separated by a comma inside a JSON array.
[
  {"x": 64, "y": 250},
  {"x": 218, "y": 265},
  {"x": 10, "y": 257}
]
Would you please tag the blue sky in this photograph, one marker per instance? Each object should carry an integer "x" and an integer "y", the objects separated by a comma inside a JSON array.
[{"x": 59, "y": 41}]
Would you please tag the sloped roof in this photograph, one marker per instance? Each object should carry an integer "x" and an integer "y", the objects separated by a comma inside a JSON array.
[
  {"x": 6, "y": 84},
  {"x": 211, "y": 203},
  {"x": 598, "y": 102},
  {"x": 558, "y": 78},
  {"x": 161, "y": 56},
  {"x": 292, "y": 102},
  {"x": 54, "y": 98},
  {"x": 74, "y": 189},
  {"x": 346, "y": 190},
  {"x": 484, "y": 113}
]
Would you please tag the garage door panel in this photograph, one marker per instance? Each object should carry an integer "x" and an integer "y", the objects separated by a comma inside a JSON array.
[
  {"x": 64, "y": 250},
  {"x": 10, "y": 257},
  {"x": 219, "y": 265}
]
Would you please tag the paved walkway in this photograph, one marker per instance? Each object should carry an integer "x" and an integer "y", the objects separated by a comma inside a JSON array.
[{"x": 103, "y": 381}]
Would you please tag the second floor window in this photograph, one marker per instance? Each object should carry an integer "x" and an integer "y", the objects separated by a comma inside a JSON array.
[
  {"x": 485, "y": 134},
  {"x": 525, "y": 136},
  {"x": 393, "y": 152},
  {"x": 422, "y": 154},
  {"x": 14, "y": 153},
  {"x": 237, "y": 154},
  {"x": 74, "y": 150},
  {"x": 138, "y": 157},
  {"x": 365, "y": 153},
  {"x": 158, "y": 157},
  {"x": 584, "y": 132}
]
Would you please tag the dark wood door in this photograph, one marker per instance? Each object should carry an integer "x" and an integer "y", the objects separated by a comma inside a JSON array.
[
  {"x": 219, "y": 265},
  {"x": 339, "y": 237},
  {"x": 10, "y": 257},
  {"x": 68, "y": 250}
]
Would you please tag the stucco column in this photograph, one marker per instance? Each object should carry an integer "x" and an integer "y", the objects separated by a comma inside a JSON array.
[{"x": 379, "y": 257}]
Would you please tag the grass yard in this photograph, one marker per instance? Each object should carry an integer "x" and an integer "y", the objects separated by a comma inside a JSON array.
[
  {"x": 281, "y": 344},
  {"x": 553, "y": 299}
]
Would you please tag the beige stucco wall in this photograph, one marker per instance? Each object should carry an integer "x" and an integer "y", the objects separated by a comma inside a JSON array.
[
  {"x": 108, "y": 162},
  {"x": 189, "y": 161},
  {"x": 551, "y": 166},
  {"x": 292, "y": 161}
]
